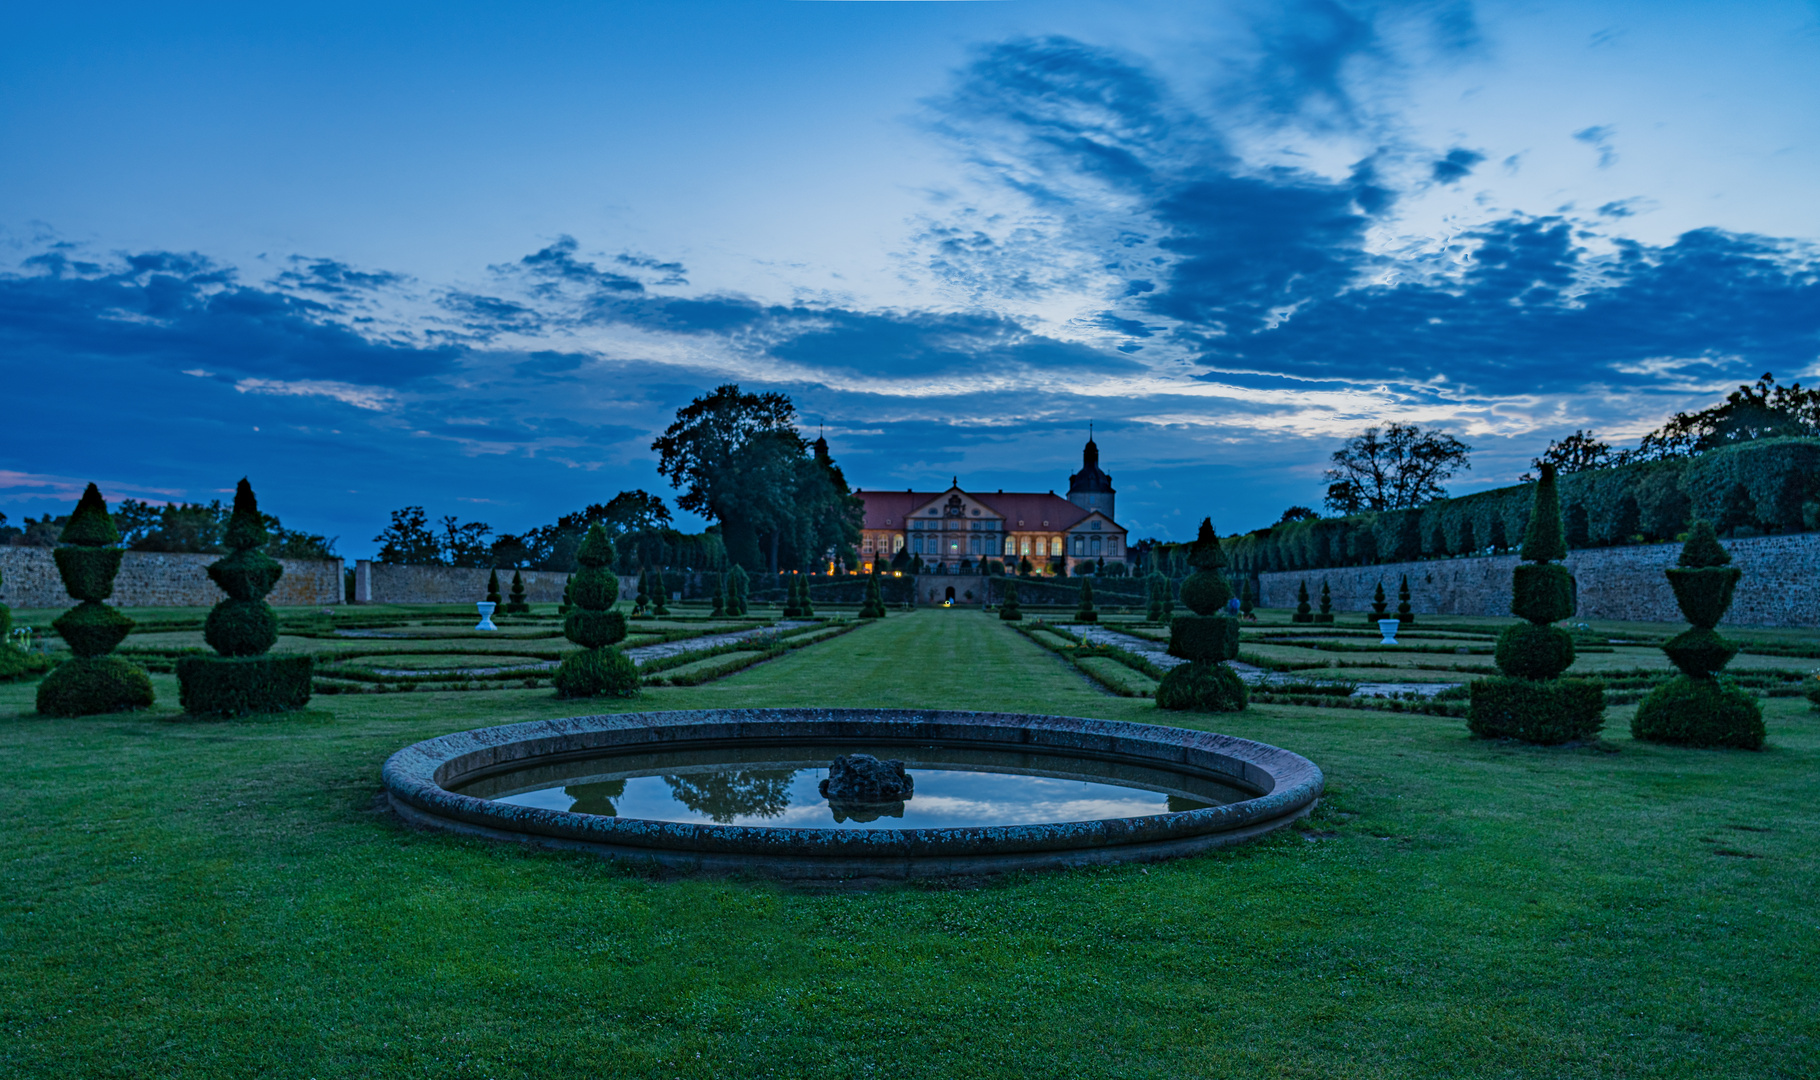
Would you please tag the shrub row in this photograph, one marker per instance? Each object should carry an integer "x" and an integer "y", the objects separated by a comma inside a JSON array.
[{"x": 1767, "y": 486}]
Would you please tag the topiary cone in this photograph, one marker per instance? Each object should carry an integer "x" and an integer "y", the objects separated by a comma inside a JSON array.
[{"x": 493, "y": 588}]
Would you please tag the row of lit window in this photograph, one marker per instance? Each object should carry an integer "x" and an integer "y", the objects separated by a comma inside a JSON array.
[{"x": 1085, "y": 547}]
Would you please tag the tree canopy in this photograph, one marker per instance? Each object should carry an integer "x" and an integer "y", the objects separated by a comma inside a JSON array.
[{"x": 1393, "y": 468}]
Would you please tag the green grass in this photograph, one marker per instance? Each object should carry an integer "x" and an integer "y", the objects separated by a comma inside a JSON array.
[{"x": 228, "y": 899}]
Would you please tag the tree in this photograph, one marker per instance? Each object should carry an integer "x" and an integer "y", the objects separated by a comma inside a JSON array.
[
  {"x": 1578, "y": 452},
  {"x": 1297, "y": 513},
  {"x": 1395, "y": 468},
  {"x": 408, "y": 540},
  {"x": 733, "y": 457},
  {"x": 465, "y": 544},
  {"x": 1764, "y": 410}
]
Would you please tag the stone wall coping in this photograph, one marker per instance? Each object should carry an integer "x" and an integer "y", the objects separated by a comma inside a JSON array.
[{"x": 418, "y": 779}]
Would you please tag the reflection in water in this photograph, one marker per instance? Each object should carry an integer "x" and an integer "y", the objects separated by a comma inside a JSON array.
[
  {"x": 778, "y": 787},
  {"x": 596, "y": 798},
  {"x": 724, "y": 795}
]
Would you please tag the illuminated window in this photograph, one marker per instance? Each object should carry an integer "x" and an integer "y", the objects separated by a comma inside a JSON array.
[
  {"x": 897, "y": 544},
  {"x": 1010, "y": 546},
  {"x": 866, "y": 544},
  {"x": 1055, "y": 546}
]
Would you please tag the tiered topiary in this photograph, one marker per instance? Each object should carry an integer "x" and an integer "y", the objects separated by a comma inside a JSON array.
[
  {"x": 660, "y": 593},
  {"x": 1699, "y": 707},
  {"x": 1157, "y": 585},
  {"x": 1024, "y": 568},
  {"x": 1406, "y": 617},
  {"x": 597, "y": 669},
  {"x": 1530, "y": 701},
  {"x": 563, "y": 608},
  {"x": 517, "y": 605},
  {"x": 1380, "y": 607},
  {"x": 243, "y": 680},
  {"x": 643, "y": 599},
  {"x": 493, "y": 591},
  {"x": 720, "y": 596},
  {"x": 1303, "y": 613},
  {"x": 1008, "y": 609},
  {"x": 736, "y": 591},
  {"x": 1085, "y": 612},
  {"x": 1206, "y": 639},
  {"x": 874, "y": 605},
  {"x": 791, "y": 608},
  {"x": 1325, "y": 615},
  {"x": 1248, "y": 602},
  {"x": 804, "y": 606},
  {"x": 93, "y": 682}
]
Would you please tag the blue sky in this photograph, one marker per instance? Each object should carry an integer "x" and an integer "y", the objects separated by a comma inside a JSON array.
[{"x": 473, "y": 257}]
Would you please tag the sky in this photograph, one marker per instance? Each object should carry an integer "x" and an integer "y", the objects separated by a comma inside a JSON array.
[{"x": 473, "y": 257}]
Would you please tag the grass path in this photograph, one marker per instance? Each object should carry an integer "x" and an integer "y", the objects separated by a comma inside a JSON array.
[{"x": 225, "y": 900}]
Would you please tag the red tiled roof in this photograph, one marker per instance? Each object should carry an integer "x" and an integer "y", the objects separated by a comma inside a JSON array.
[
  {"x": 886, "y": 509},
  {"x": 890, "y": 506},
  {"x": 1032, "y": 508}
]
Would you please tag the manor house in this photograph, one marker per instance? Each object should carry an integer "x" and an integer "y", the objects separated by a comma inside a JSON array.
[{"x": 953, "y": 527}]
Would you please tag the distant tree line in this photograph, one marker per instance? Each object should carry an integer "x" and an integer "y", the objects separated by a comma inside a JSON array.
[
  {"x": 195, "y": 528},
  {"x": 637, "y": 522}
]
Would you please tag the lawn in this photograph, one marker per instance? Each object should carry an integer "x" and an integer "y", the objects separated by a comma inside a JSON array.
[{"x": 230, "y": 899}]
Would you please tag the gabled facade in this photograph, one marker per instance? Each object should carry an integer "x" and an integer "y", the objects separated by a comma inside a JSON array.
[{"x": 956, "y": 526}]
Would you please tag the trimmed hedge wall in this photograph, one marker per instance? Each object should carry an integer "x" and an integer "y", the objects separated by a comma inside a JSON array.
[{"x": 1767, "y": 486}]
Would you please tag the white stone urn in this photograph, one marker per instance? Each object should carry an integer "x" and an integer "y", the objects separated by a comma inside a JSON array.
[
  {"x": 486, "y": 615},
  {"x": 1388, "y": 627}
]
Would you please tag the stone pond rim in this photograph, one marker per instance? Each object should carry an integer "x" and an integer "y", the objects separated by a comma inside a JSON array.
[{"x": 418, "y": 781}]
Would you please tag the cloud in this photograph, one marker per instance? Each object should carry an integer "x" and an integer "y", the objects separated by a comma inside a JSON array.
[
  {"x": 370, "y": 398},
  {"x": 1456, "y": 166},
  {"x": 1599, "y": 138}
]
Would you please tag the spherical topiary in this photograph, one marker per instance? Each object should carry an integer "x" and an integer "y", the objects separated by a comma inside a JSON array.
[
  {"x": 241, "y": 627},
  {"x": 594, "y": 629},
  {"x": 596, "y": 673},
  {"x": 1541, "y": 592},
  {"x": 1700, "y": 712},
  {"x": 1202, "y": 687},
  {"x": 1529, "y": 651},
  {"x": 89, "y": 685},
  {"x": 92, "y": 629}
]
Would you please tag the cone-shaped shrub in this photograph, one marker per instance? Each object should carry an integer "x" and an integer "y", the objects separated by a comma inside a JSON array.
[
  {"x": 493, "y": 590},
  {"x": 243, "y": 680},
  {"x": 1008, "y": 609},
  {"x": 563, "y": 608},
  {"x": 1325, "y": 615},
  {"x": 1530, "y": 701},
  {"x": 720, "y": 596},
  {"x": 1303, "y": 613},
  {"x": 1085, "y": 612},
  {"x": 792, "y": 608},
  {"x": 93, "y": 682},
  {"x": 1157, "y": 586},
  {"x": 803, "y": 604},
  {"x": 736, "y": 590},
  {"x": 1248, "y": 601},
  {"x": 643, "y": 599},
  {"x": 1699, "y": 707},
  {"x": 1206, "y": 638},
  {"x": 597, "y": 669},
  {"x": 874, "y": 605},
  {"x": 660, "y": 591},
  {"x": 517, "y": 604},
  {"x": 1380, "y": 606},
  {"x": 1406, "y": 615}
]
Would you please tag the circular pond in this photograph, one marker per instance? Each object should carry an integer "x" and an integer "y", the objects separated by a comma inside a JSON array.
[{"x": 731, "y": 790}]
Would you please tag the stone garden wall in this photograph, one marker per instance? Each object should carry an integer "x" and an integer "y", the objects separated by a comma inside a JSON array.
[
  {"x": 1780, "y": 587},
  {"x": 28, "y": 579}
]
